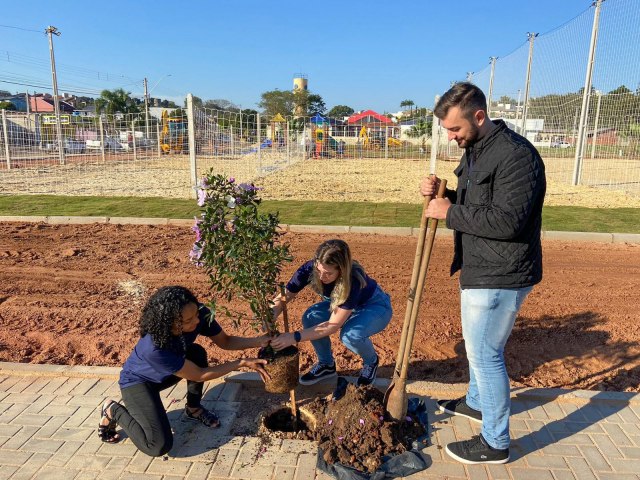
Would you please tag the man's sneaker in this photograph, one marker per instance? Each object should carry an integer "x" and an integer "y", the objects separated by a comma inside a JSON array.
[
  {"x": 318, "y": 372},
  {"x": 368, "y": 373},
  {"x": 476, "y": 450},
  {"x": 459, "y": 407}
]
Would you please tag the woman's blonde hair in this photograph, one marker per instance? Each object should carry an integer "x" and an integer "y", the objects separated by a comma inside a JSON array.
[{"x": 336, "y": 253}]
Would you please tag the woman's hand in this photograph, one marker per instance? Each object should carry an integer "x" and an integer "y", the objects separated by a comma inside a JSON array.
[
  {"x": 256, "y": 364},
  {"x": 264, "y": 340},
  {"x": 283, "y": 340}
]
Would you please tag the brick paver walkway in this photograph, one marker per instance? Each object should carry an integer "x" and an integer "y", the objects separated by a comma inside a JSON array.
[{"x": 48, "y": 417}]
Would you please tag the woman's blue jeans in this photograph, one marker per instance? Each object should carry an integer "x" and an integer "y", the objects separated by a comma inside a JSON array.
[
  {"x": 364, "y": 321},
  {"x": 488, "y": 316}
]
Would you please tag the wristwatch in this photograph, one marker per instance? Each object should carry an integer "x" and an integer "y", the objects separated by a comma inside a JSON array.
[{"x": 297, "y": 336}]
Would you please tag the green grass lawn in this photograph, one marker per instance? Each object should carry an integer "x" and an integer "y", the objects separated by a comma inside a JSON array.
[{"x": 576, "y": 219}]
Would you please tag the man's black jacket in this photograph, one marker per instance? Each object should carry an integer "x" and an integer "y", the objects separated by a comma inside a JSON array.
[{"x": 497, "y": 212}]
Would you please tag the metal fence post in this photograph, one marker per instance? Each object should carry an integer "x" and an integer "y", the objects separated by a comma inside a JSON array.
[
  {"x": 259, "y": 136},
  {"x": 158, "y": 140},
  {"x": 133, "y": 140},
  {"x": 386, "y": 142},
  {"x": 435, "y": 139},
  {"x": 191, "y": 125},
  {"x": 527, "y": 85},
  {"x": 5, "y": 132},
  {"x": 102, "y": 145},
  {"x": 586, "y": 96}
]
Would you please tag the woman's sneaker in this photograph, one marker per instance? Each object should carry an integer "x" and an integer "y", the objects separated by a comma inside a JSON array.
[
  {"x": 368, "y": 373},
  {"x": 318, "y": 372},
  {"x": 460, "y": 408}
]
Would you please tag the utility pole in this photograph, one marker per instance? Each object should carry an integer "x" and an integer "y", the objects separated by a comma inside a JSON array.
[
  {"x": 527, "y": 84},
  {"x": 146, "y": 107},
  {"x": 50, "y": 31}
]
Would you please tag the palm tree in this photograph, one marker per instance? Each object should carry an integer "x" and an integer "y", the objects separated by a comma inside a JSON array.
[
  {"x": 115, "y": 101},
  {"x": 407, "y": 103}
]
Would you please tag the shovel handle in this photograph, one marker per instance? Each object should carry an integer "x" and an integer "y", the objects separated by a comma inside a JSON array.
[
  {"x": 412, "y": 285},
  {"x": 283, "y": 300},
  {"x": 424, "y": 266}
]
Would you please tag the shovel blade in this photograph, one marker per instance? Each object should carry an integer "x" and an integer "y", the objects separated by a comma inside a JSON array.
[{"x": 396, "y": 403}]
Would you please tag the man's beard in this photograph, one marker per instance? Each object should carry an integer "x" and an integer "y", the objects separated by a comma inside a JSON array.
[{"x": 474, "y": 133}]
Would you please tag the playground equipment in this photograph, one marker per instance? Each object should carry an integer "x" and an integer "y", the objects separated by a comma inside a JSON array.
[
  {"x": 173, "y": 137},
  {"x": 376, "y": 140},
  {"x": 279, "y": 131}
]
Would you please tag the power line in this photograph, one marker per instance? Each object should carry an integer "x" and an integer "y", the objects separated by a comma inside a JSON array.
[{"x": 20, "y": 28}]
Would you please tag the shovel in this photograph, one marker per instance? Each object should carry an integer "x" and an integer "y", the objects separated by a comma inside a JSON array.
[
  {"x": 395, "y": 398},
  {"x": 285, "y": 318}
]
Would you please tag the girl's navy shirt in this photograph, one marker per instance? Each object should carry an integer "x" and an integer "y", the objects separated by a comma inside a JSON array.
[
  {"x": 148, "y": 363},
  {"x": 358, "y": 295}
]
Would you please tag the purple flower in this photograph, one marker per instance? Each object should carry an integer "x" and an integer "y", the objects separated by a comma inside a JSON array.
[
  {"x": 330, "y": 422},
  {"x": 361, "y": 422},
  {"x": 204, "y": 183},
  {"x": 202, "y": 197},
  {"x": 196, "y": 229},
  {"x": 409, "y": 419},
  {"x": 195, "y": 254},
  {"x": 381, "y": 418},
  {"x": 340, "y": 438},
  {"x": 232, "y": 180}
]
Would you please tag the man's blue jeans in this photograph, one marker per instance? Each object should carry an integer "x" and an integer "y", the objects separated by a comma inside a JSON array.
[
  {"x": 364, "y": 321},
  {"x": 488, "y": 316}
]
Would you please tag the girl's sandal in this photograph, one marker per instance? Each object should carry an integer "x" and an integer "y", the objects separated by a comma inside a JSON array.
[
  {"x": 204, "y": 416},
  {"x": 107, "y": 433}
]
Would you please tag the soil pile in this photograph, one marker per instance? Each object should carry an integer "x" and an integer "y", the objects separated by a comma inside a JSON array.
[{"x": 356, "y": 430}]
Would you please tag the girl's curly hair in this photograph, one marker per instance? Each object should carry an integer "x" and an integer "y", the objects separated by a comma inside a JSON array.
[{"x": 161, "y": 312}]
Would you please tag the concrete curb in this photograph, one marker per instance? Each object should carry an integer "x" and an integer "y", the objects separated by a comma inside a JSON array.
[
  {"x": 414, "y": 387},
  {"x": 323, "y": 229}
]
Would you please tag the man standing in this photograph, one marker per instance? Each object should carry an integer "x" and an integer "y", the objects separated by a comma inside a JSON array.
[{"x": 496, "y": 213}]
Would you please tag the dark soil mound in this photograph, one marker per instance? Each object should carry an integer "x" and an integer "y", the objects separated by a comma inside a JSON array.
[{"x": 356, "y": 430}]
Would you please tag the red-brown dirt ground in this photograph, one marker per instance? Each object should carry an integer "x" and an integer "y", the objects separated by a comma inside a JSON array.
[{"x": 71, "y": 294}]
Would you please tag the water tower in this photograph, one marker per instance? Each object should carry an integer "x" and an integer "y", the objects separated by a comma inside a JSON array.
[{"x": 300, "y": 83}]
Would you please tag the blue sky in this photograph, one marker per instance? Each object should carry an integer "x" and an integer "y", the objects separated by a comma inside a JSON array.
[{"x": 364, "y": 54}]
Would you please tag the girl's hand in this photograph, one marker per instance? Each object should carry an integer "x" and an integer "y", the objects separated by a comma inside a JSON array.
[
  {"x": 264, "y": 340},
  {"x": 283, "y": 340},
  {"x": 256, "y": 364}
]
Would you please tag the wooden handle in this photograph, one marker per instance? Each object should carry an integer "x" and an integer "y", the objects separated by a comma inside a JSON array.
[
  {"x": 424, "y": 266},
  {"x": 283, "y": 300}
]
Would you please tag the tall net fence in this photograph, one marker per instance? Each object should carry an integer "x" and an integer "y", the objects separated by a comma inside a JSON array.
[{"x": 610, "y": 149}]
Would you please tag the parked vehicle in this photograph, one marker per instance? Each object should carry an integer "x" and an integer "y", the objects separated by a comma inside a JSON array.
[
  {"x": 71, "y": 145},
  {"x": 560, "y": 144}
]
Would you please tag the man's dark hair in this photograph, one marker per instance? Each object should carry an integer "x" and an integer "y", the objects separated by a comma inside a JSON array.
[{"x": 468, "y": 97}]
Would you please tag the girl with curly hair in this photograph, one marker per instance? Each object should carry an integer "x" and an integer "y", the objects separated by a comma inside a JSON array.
[
  {"x": 170, "y": 322},
  {"x": 352, "y": 302}
]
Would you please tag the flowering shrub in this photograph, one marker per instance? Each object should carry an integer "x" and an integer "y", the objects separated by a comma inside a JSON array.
[{"x": 239, "y": 248}]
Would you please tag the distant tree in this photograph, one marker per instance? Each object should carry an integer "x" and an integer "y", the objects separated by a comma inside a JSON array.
[
  {"x": 7, "y": 106},
  {"x": 407, "y": 103},
  {"x": 340, "y": 111},
  {"x": 277, "y": 101},
  {"x": 197, "y": 102},
  {"x": 316, "y": 105},
  {"x": 220, "y": 104},
  {"x": 622, "y": 89},
  {"x": 507, "y": 99},
  {"x": 168, "y": 104},
  {"x": 5, "y": 93},
  {"x": 116, "y": 101},
  {"x": 421, "y": 129}
]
